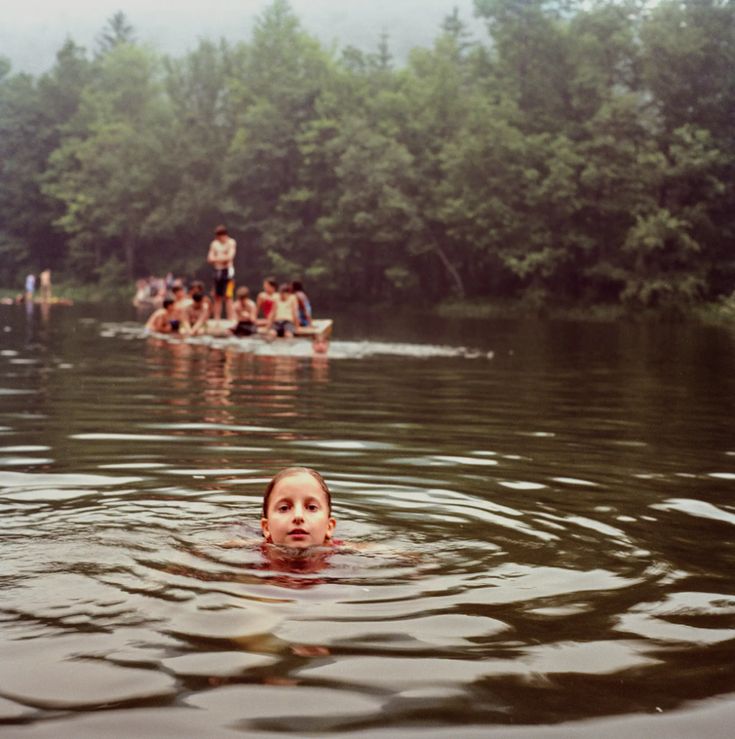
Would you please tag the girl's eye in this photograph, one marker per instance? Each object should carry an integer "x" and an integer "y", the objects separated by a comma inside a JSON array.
[
  {"x": 282, "y": 508},
  {"x": 313, "y": 507}
]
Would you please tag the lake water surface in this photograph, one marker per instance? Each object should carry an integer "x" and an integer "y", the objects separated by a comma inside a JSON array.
[{"x": 553, "y": 504}]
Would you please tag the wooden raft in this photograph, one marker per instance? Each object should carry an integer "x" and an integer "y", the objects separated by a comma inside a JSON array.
[{"x": 320, "y": 328}]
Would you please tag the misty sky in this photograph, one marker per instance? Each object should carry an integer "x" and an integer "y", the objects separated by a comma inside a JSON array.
[{"x": 32, "y": 31}]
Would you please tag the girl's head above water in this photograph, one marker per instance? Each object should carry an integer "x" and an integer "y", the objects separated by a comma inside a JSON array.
[{"x": 297, "y": 509}]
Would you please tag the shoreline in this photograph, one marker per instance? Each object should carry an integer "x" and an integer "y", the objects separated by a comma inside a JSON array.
[{"x": 715, "y": 312}]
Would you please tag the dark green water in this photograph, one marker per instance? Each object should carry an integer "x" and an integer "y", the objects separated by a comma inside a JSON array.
[{"x": 555, "y": 526}]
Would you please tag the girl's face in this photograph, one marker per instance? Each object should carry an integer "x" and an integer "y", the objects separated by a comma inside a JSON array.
[{"x": 298, "y": 513}]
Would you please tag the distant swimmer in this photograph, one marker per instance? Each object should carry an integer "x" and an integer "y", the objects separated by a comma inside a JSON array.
[
  {"x": 320, "y": 345},
  {"x": 222, "y": 258}
]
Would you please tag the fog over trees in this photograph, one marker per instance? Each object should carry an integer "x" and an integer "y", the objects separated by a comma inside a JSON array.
[
  {"x": 31, "y": 38},
  {"x": 584, "y": 153}
]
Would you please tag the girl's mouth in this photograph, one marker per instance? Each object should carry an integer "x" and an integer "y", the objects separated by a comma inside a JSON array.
[{"x": 297, "y": 532}]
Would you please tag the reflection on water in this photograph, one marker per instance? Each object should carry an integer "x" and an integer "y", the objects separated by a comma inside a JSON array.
[{"x": 549, "y": 518}]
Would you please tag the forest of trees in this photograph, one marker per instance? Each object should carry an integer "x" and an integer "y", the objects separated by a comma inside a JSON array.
[{"x": 586, "y": 154}]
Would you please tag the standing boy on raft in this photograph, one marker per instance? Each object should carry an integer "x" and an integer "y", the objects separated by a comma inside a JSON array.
[{"x": 222, "y": 256}]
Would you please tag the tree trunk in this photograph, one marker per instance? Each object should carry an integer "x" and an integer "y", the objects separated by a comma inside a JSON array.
[{"x": 452, "y": 270}]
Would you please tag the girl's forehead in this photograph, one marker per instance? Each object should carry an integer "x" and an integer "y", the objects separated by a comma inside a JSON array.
[{"x": 299, "y": 484}]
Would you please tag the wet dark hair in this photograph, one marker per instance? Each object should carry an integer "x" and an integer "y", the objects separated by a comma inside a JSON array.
[
  {"x": 220, "y": 231},
  {"x": 197, "y": 297},
  {"x": 297, "y": 287},
  {"x": 272, "y": 282},
  {"x": 167, "y": 302},
  {"x": 288, "y": 472},
  {"x": 242, "y": 292},
  {"x": 196, "y": 286},
  {"x": 285, "y": 287}
]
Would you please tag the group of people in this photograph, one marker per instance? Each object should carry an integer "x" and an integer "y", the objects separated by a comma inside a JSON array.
[
  {"x": 150, "y": 291},
  {"x": 278, "y": 309},
  {"x": 29, "y": 288}
]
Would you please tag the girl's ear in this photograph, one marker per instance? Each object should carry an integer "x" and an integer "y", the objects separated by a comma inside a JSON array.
[
  {"x": 265, "y": 529},
  {"x": 330, "y": 529}
]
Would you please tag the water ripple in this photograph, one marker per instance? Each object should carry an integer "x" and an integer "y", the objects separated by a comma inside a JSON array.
[{"x": 536, "y": 539}]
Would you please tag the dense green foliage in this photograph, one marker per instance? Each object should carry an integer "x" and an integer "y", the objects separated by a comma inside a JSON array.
[{"x": 586, "y": 154}]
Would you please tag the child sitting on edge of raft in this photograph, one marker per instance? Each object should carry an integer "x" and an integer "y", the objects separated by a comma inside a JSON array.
[
  {"x": 165, "y": 320},
  {"x": 284, "y": 316},
  {"x": 266, "y": 299},
  {"x": 245, "y": 314}
]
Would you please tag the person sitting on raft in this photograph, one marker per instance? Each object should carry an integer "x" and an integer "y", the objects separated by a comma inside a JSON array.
[
  {"x": 197, "y": 313},
  {"x": 304, "y": 304},
  {"x": 164, "y": 320},
  {"x": 198, "y": 287},
  {"x": 266, "y": 299},
  {"x": 181, "y": 308},
  {"x": 180, "y": 297},
  {"x": 284, "y": 316},
  {"x": 245, "y": 314}
]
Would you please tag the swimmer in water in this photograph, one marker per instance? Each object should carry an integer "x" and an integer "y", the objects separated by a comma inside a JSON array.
[
  {"x": 297, "y": 510},
  {"x": 320, "y": 345},
  {"x": 298, "y": 528}
]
